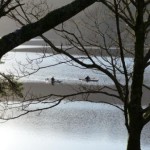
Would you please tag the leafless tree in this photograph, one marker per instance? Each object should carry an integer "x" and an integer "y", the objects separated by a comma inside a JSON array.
[
  {"x": 8, "y": 84},
  {"x": 47, "y": 22},
  {"x": 130, "y": 24},
  {"x": 124, "y": 32},
  {"x": 26, "y": 32}
]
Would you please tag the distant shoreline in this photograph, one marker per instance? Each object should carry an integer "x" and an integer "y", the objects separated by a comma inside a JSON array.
[
  {"x": 47, "y": 49},
  {"x": 39, "y": 46}
]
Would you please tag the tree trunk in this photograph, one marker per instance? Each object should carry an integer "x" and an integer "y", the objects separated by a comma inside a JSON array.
[
  {"x": 135, "y": 126},
  {"x": 134, "y": 139},
  {"x": 135, "y": 118}
]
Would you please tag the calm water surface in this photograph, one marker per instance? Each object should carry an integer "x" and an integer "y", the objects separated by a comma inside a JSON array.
[
  {"x": 19, "y": 63},
  {"x": 69, "y": 126}
]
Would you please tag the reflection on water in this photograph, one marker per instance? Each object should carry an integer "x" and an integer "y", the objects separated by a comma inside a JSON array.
[
  {"x": 14, "y": 62},
  {"x": 69, "y": 126}
]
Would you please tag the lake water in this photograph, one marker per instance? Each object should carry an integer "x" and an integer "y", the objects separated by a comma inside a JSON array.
[
  {"x": 63, "y": 71},
  {"x": 22, "y": 63},
  {"x": 69, "y": 126}
]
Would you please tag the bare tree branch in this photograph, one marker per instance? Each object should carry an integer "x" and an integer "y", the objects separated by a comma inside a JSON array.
[{"x": 46, "y": 23}]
